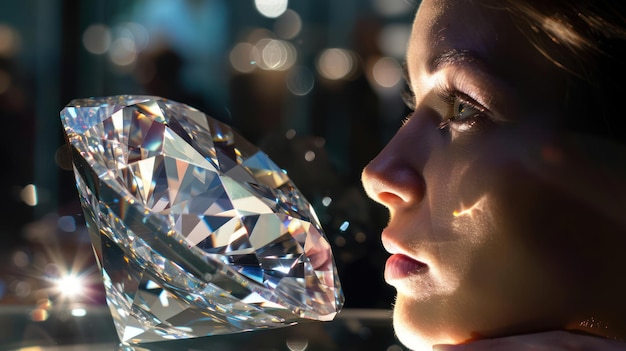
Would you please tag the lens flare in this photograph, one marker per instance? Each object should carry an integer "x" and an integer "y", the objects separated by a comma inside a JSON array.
[{"x": 70, "y": 285}]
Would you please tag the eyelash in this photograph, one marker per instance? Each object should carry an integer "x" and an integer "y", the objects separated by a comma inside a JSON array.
[{"x": 451, "y": 97}]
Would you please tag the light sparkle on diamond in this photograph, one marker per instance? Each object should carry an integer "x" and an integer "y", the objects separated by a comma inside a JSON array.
[{"x": 196, "y": 231}]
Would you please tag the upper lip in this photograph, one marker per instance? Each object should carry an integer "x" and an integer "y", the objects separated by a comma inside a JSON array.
[
  {"x": 389, "y": 243},
  {"x": 393, "y": 246}
]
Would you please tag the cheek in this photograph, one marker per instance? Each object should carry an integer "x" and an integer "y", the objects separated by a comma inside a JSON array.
[
  {"x": 496, "y": 262},
  {"x": 458, "y": 196},
  {"x": 527, "y": 270},
  {"x": 460, "y": 224},
  {"x": 549, "y": 223}
]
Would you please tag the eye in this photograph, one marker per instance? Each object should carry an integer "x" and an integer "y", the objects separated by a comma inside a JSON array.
[{"x": 464, "y": 115}]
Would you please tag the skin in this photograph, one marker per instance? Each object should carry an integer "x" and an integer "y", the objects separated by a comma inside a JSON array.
[
  {"x": 548, "y": 341},
  {"x": 498, "y": 207}
]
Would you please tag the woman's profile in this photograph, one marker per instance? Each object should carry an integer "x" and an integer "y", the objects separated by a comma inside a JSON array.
[{"x": 506, "y": 186}]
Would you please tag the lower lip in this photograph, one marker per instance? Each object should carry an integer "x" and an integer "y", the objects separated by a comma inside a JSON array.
[{"x": 400, "y": 266}]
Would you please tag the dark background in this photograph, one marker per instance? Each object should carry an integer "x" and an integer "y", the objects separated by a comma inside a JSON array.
[{"x": 321, "y": 115}]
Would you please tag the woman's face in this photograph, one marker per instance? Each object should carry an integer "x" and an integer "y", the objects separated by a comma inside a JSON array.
[{"x": 491, "y": 217}]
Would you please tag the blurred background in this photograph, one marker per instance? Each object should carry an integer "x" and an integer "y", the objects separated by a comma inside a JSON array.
[{"x": 316, "y": 84}]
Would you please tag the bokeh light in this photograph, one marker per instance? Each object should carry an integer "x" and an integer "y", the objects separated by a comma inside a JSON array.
[
  {"x": 257, "y": 34},
  {"x": 387, "y": 72},
  {"x": 360, "y": 237},
  {"x": 97, "y": 39},
  {"x": 39, "y": 315},
  {"x": 135, "y": 32},
  {"x": 288, "y": 25},
  {"x": 274, "y": 54},
  {"x": 344, "y": 226},
  {"x": 300, "y": 81},
  {"x": 78, "y": 312},
  {"x": 290, "y": 134},
  {"x": 326, "y": 201},
  {"x": 340, "y": 241},
  {"x": 393, "y": 40},
  {"x": 309, "y": 156},
  {"x": 271, "y": 8},
  {"x": 391, "y": 8},
  {"x": 67, "y": 224},
  {"x": 22, "y": 289},
  {"x": 297, "y": 344},
  {"x": 241, "y": 58},
  {"x": 20, "y": 259},
  {"x": 9, "y": 41},
  {"x": 123, "y": 52},
  {"x": 29, "y": 195},
  {"x": 335, "y": 64}
]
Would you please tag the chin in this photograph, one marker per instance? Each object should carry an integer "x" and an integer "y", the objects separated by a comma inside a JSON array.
[
  {"x": 413, "y": 341},
  {"x": 417, "y": 333},
  {"x": 416, "y": 340}
]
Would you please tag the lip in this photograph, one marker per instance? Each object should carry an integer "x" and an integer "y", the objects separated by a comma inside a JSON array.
[{"x": 401, "y": 266}]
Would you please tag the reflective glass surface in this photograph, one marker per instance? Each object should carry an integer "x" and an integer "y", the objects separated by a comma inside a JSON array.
[{"x": 79, "y": 327}]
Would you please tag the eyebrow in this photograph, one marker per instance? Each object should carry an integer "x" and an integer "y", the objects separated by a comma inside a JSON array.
[
  {"x": 444, "y": 59},
  {"x": 492, "y": 85},
  {"x": 453, "y": 56}
]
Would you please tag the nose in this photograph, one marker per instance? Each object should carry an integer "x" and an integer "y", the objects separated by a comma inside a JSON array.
[
  {"x": 391, "y": 184},
  {"x": 394, "y": 178}
]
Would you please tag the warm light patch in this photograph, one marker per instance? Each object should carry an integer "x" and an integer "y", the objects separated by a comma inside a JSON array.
[
  {"x": 39, "y": 315},
  {"x": 469, "y": 211}
]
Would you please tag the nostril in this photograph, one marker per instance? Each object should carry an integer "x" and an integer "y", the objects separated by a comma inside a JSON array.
[
  {"x": 389, "y": 198},
  {"x": 394, "y": 185},
  {"x": 394, "y": 177}
]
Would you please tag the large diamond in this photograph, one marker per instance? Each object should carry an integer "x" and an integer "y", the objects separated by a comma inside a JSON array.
[{"x": 195, "y": 230}]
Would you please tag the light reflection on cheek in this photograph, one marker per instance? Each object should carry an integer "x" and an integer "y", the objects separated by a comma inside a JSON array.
[
  {"x": 475, "y": 221},
  {"x": 470, "y": 211}
]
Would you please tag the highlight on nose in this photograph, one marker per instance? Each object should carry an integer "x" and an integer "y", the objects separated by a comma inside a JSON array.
[{"x": 391, "y": 183}]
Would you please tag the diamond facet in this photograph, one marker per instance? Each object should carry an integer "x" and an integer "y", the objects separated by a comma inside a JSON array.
[{"x": 195, "y": 230}]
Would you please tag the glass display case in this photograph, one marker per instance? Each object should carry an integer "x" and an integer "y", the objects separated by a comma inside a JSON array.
[{"x": 80, "y": 327}]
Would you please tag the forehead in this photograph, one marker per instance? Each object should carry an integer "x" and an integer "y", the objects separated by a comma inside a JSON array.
[
  {"x": 491, "y": 37},
  {"x": 464, "y": 25}
]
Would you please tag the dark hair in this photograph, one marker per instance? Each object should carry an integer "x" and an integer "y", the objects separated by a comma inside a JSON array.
[{"x": 587, "y": 38}]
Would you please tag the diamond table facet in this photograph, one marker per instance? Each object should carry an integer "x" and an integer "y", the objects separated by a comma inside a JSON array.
[{"x": 195, "y": 230}]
